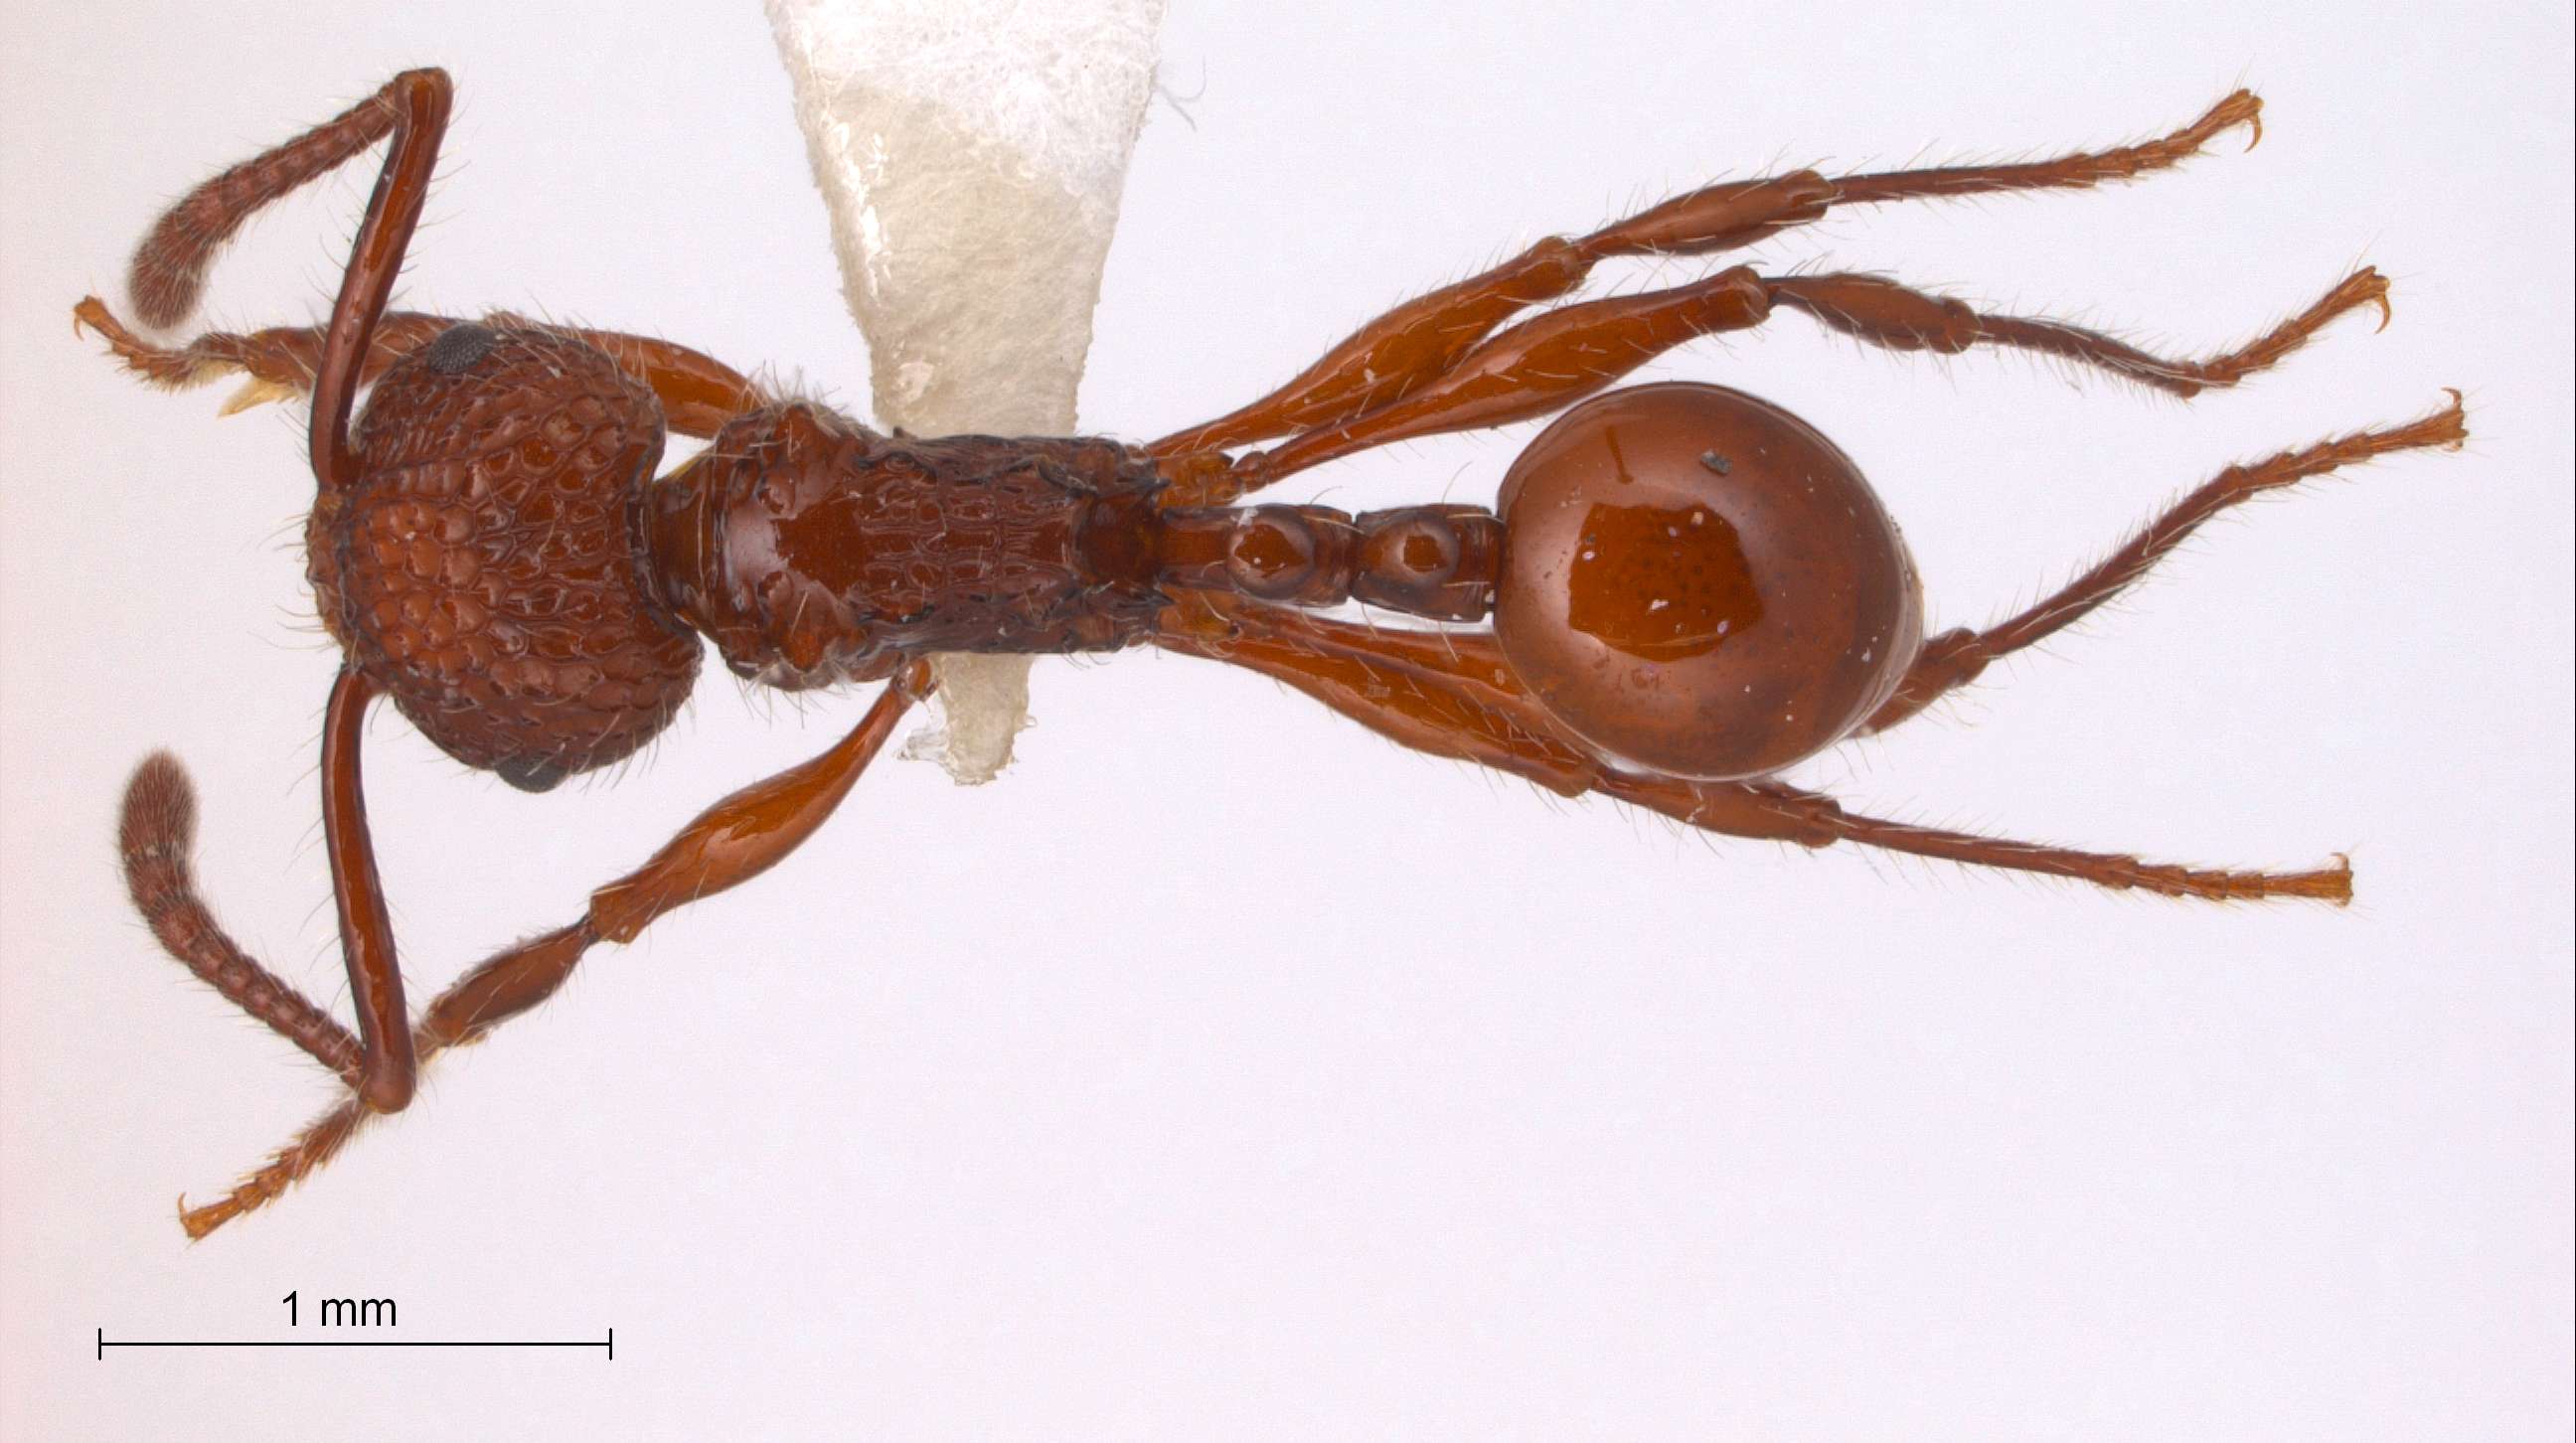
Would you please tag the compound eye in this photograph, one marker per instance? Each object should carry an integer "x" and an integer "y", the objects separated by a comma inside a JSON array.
[
  {"x": 531, "y": 775},
  {"x": 1697, "y": 582},
  {"x": 459, "y": 347}
]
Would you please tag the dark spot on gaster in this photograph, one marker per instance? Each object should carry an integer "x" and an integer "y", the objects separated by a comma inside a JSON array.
[
  {"x": 459, "y": 347},
  {"x": 1716, "y": 463},
  {"x": 1661, "y": 584},
  {"x": 528, "y": 774}
]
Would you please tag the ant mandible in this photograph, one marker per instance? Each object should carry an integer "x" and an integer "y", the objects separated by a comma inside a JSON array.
[{"x": 1688, "y": 588}]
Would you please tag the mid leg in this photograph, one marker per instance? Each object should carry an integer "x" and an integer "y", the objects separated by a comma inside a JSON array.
[
  {"x": 1413, "y": 344},
  {"x": 736, "y": 839},
  {"x": 1955, "y": 658},
  {"x": 1451, "y": 695}
]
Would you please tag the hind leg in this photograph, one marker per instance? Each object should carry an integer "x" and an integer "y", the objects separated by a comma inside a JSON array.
[
  {"x": 1541, "y": 365},
  {"x": 1955, "y": 658}
]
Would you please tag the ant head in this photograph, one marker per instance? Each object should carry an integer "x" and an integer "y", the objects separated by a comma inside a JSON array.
[{"x": 484, "y": 570}]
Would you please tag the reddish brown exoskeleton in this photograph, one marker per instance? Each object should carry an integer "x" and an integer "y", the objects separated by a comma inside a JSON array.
[{"x": 1688, "y": 588}]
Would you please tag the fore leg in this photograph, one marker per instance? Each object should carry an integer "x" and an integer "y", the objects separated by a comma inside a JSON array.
[
  {"x": 332, "y": 362},
  {"x": 736, "y": 839},
  {"x": 698, "y": 392},
  {"x": 1955, "y": 658},
  {"x": 1452, "y": 695},
  {"x": 1418, "y": 341}
]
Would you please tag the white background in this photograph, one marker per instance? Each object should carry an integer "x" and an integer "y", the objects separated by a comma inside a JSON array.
[{"x": 1227, "y": 1071}]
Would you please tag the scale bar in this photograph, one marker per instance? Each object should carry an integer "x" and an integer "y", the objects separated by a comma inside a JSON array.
[{"x": 104, "y": 1342}]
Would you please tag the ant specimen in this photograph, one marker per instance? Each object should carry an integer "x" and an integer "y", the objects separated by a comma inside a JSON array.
[{"x": 1688, "y": 589}]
